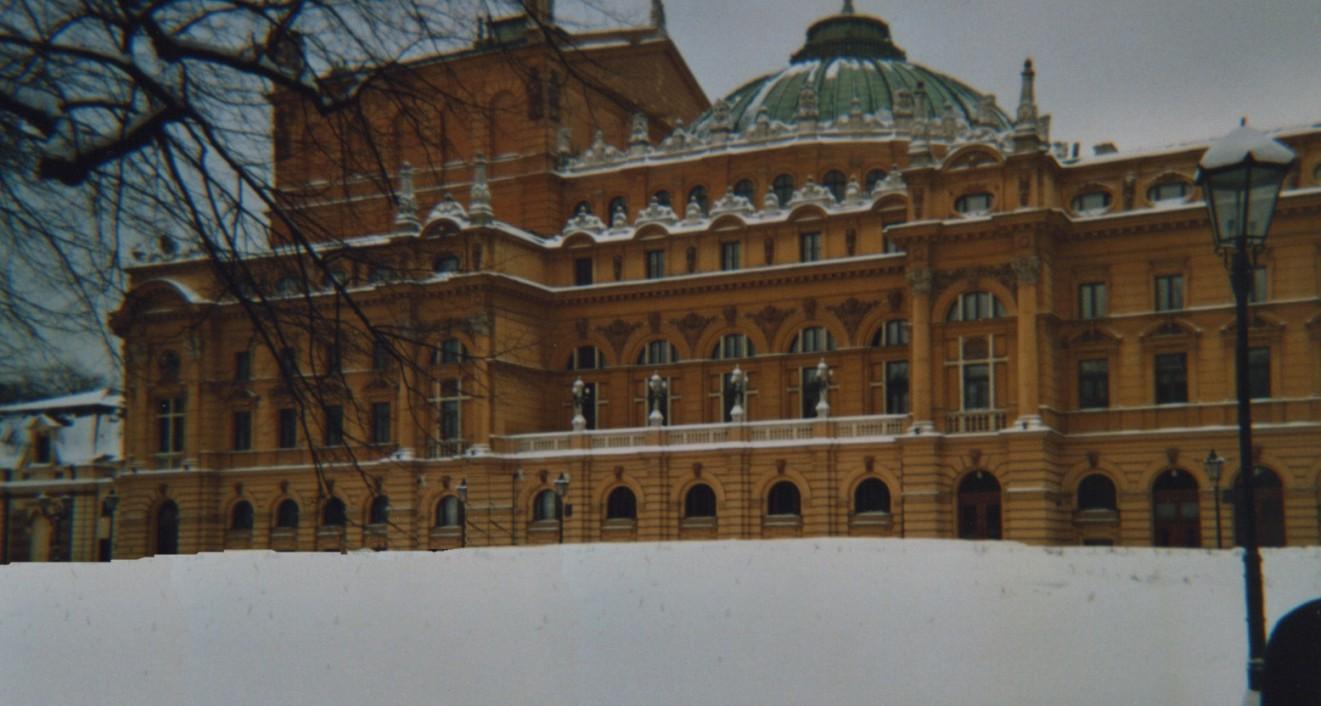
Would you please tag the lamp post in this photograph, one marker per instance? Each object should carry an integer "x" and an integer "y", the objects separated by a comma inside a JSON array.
[
  {"x": 463, "y": 513},
  {"x": 1241, "y": 176},
  {"x": 1214, "y": 464},
  {"x": 561, "y": 489}
]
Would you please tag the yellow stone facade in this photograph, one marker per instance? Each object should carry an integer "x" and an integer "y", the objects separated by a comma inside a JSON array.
[{"x": 956, "y": 252}]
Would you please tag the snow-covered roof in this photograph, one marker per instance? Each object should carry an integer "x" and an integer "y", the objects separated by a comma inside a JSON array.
[
  {"x": 91, "y": 398},
  {"x": 84, "y": 428}
]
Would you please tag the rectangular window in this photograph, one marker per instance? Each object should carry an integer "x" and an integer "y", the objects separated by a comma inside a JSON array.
[
  {"x": 242, "y": 366},
  {"x": 1093, "y": 383},
  {"x": 242, "y": 430},
  {"x": 333, "y": 425},
  {"x": 582, "y": 271},
  {"x": 287, "y": 429},
  {"x": 731, "y": 256},
  {"x": 896, "y": 387},
  {"x": 977, "y": 386},
  {"x": 1259, "y": 373},
  {"x": 1169, "y": 292},
  {"x": 41, "y": 454},
  {"x": 589, "y": 404},
  {"x": 1171, "y": 378},
  {"x": 288, "y": 362},
  {"x": 169, "y": 426},
  {"x": 381, "y": 356},
  {"x": 1092, "y": 300},
  {"x": 449, "y": 418},
  {"x": 808, "y": 391},
  {"x": 380, "y": 422},
  {"x": 655, "y": 264},
  {"x": 1258, "y": 293},
  {"x": 809, "y": 247}
]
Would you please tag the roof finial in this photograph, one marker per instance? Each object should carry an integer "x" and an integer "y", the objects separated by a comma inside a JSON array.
[
  {"x": 658, "y": 16},
  {"x": 848, "y": 7}
]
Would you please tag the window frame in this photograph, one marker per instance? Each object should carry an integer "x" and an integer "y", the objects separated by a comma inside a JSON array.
[
  {"x": 731, "y": 256},
  {"x": 810, "y": 246},
  {"x": 583, "y": 272},
  {"x": 963, "y": 205},
  {"x": 1090, "y": 382},
  {"x": 655, "y": 264},
  {"x": 1093, "y": 301},
  {"x": 1165, "y": 386},
  {"x": 241, "y": 425},
  {"x": 1168, "y": 292}
]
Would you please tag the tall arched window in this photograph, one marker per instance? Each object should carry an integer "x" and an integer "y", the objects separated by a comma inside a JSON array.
[
  {"x": 784, "y": 499},
  {"x": 334, "y": 513},
  {"x": 698, "y": 195},
  {"x": 871, "y": 496},
  {"x": 1175, "y": 510},
  {"x": 546, "y": 506},
  {"x": 658, "y": 352},
  {"x": 783, "y": 187},
  {"x": 746, "y": 189},
  {"x": 732, "y": 346},
  {"x": 286, "y": 515},
  {"x": 836, "y": 183},
  {"x": 167, "y": 528},
  {"x": 380, "y": 511},
  {"x": 700, "y": 501},
  {"x": 1269, "y": 495},
  {"x": 240, "y": 516},
  {"x": 1097, "y": 492},
  {"x": 449, "y": 512},
  {"x": 979, "y": 506},
  {"x": 621, "y": 505},
  {"x": 813, "y": 339}
]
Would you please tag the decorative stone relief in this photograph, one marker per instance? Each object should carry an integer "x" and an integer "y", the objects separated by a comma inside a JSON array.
[
  {"x": 769, "y": 319},
  {"x": 1129, "y": 190},
  {"x": 731, "y": 315},
  {"x": 1027, "y": 270},
  {"x": 656, "y": 212},
  {"x": 1004, "y": 274},
  {"x": 691, "y": 327},
  {"x": 731, "y": 203},
  {"x": 851, "y": 312},
  {"x": 617, "y": 333},
  {"x": 920, "y": 280}
]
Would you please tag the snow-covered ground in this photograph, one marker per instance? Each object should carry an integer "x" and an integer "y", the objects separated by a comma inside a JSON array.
[{"x": 824, "y": 621}]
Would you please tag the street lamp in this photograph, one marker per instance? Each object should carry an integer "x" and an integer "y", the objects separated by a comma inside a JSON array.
[
  {"x": 463, "y": 512},
  {"x": 1241, "y": 176},
  {"x": 1214, "y": 464},
  {"x": 561, "y": 489}
]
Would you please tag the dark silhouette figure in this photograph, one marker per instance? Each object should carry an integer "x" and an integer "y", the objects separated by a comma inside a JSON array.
[{"x": 1293, "y": 659}]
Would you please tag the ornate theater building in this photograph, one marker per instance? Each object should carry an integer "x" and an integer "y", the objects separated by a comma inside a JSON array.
[{"x": 853, "y": 297}]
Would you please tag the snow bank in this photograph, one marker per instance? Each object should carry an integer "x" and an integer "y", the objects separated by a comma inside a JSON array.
[{"x": 828, "y": 621}]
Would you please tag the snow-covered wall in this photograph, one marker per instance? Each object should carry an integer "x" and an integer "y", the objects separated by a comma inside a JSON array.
[{"x": 829, "y": 621}]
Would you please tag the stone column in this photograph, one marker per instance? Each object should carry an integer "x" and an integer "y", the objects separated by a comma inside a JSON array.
[
  {"x": 919, "y": 281},
  {"x": 1028, "y": 271}
]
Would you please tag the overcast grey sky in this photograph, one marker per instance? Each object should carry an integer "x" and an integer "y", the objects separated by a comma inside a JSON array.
[{"x": 1141, "y": 73}]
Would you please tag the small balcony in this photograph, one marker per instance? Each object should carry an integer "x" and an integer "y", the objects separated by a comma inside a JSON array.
[{"x": 975, "y": 421}]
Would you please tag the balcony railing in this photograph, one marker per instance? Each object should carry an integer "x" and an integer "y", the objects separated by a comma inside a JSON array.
[
  {"x": 778, "y": 430},
  {"x": 972, "y": 422}
]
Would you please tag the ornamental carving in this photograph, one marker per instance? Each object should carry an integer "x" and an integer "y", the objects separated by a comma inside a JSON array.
[
  {"x": 654, "y": 321},
  {"x": 769, "y": 320},
  {"x": 851, "y": 312},
  {"x": 1027, "y": 269},
  {"x": 1004, "y": 274},
  {"x": 1130, "y": 188},
  {"x": 920, "y": 280},
  {"x": 580, "y": 326},
  {"x": 731, "y": 315},
  {"x": 809, "y": 307},
  {"x": 691, "y": 327},
  {"x": 617, "y": 333}
]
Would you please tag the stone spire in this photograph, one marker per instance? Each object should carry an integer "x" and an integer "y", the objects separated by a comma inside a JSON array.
[
  {"x": 848, "y": 8},
  {"x": 658, "y": 16},
  {"x": 405, "y": 215},
  {"x": 479, "y": 196},
  {"x": 1027, "y": 137}
]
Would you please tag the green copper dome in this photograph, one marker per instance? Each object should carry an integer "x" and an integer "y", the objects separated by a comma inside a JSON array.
[{"x": 849, "y": 57}]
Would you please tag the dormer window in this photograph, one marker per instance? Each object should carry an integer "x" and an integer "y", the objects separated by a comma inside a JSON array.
[
  {"x": 1166, "y": 192},
  {"x": 1091, "y": 203},
  {"x": 977, "y": 204}
]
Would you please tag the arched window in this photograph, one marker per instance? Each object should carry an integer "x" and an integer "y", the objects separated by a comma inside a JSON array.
[
  {"x": 446, "y": 264},
  {"x": 621, "y": 505},
  {"x": 835, "y": 182},
  {"x": 979, "y": 506},
  {"x": 658, "y": 352},
  {"x": 1269, "y": 495},
  {"x": 700, "y": 501},
  {"x": 813, "y": 339},
  {"x": 975, "y": 306},
  {"x": 240, "y": 517},
  {"x": 893, "y": 333},
  {"x": 581, "y": 208},
  {"x": 698, "y": 194},
  {"x": 662, "y": 198},
  {"x": 617, "y": 204},
  {"x": 167, "y": 528},
  {"x": 1091, "y": 202},
  {"x": 783, "y": 187},
  {"x": 746, "y": 189},
  {"x": 546, "y": 506},
  {"x": 449, "y": 512},
  {"x": 732, "y": 346},
  {"x": 450, "y": 352},
  {"x": 286, "y": 514},
  {"x": 1097, "y": 492},
  {"x": 1175, "y": 510},
  {"x": 585, "y": 358},
  {"x": 334, "y": 513},
  {"x": 783, "y": 499},
  {"x": 379, "y": 513},
  {"x": 1171, "y": 191},
  {"x": 977, "y": 204},
  {"x": 871, "y": 495},
  {"x": 874, "y": 177}
]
